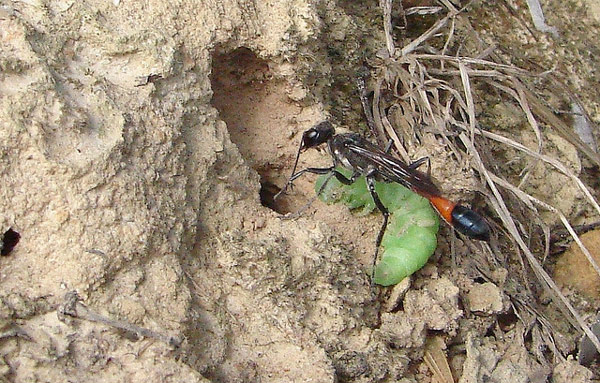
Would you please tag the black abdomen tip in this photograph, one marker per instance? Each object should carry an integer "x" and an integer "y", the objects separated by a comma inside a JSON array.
[{"x": 470, "y": 223}]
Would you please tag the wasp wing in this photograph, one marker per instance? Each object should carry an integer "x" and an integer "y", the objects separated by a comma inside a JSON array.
[{"x": 393, "y": 169}]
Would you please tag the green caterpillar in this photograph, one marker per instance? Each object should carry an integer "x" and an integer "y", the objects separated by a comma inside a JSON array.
[{"x": 411, "y": 235}]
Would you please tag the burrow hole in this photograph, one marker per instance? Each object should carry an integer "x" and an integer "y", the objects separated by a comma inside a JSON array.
[
  {"x": 258, "y": 113},
  {"x": 9, "y": 241},
  {"x": 260, "y": 119}
]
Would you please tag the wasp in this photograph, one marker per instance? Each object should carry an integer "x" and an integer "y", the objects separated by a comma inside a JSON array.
[{"x": 363, "y": 158}]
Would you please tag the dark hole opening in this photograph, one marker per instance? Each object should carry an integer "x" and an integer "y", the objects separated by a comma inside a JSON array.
[
  {"x": 9, "y": 241},
  {"x": 267, "y": 192},
  {"x": 507, "y": 320}
]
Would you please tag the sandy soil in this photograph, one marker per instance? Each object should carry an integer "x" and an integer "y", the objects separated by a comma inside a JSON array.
[{"x": 141, "y": 146}]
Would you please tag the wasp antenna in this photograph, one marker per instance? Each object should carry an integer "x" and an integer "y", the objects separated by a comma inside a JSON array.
[
  {"x": 313, "y": 137},
  {"x": 295, "y": 162},
  {"x": 289, "y": 181}
]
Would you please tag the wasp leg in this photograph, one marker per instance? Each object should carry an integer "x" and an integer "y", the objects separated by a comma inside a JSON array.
[
  {"x": 295, "y": 176},
  {"x": 364, "y": 98},
  {"x": 414, "y": 165},
  {"x": 311, "y": 170},
  {"x": 388, "y": 147},
  {"x": 417, "y": 164},
  {"x": 386, "y": 213},
  {"x": 345, "y": 180},
  {"x": 332, "y": 172},
  {"x": 342, "y": 178}
]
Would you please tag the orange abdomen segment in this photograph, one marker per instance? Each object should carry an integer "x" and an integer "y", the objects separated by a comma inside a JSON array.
[{"x": 443, "y": 206}]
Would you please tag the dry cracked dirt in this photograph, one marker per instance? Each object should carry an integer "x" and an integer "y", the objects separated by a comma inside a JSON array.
[{"x": 141, "y": 146}]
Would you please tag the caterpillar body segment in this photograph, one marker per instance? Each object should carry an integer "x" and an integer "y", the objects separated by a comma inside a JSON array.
[{"x": 411, "y": 235}]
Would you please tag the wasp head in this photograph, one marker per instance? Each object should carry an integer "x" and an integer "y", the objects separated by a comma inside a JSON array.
[{"x": 317, "y": 135}]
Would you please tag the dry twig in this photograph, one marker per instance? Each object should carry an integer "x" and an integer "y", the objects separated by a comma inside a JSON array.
[
  {"x": 74, "y": 308},
  {"x": 424, "y": 87}
]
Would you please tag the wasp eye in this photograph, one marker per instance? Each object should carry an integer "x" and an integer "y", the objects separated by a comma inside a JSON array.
[{"x": 310, "y": 138}]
